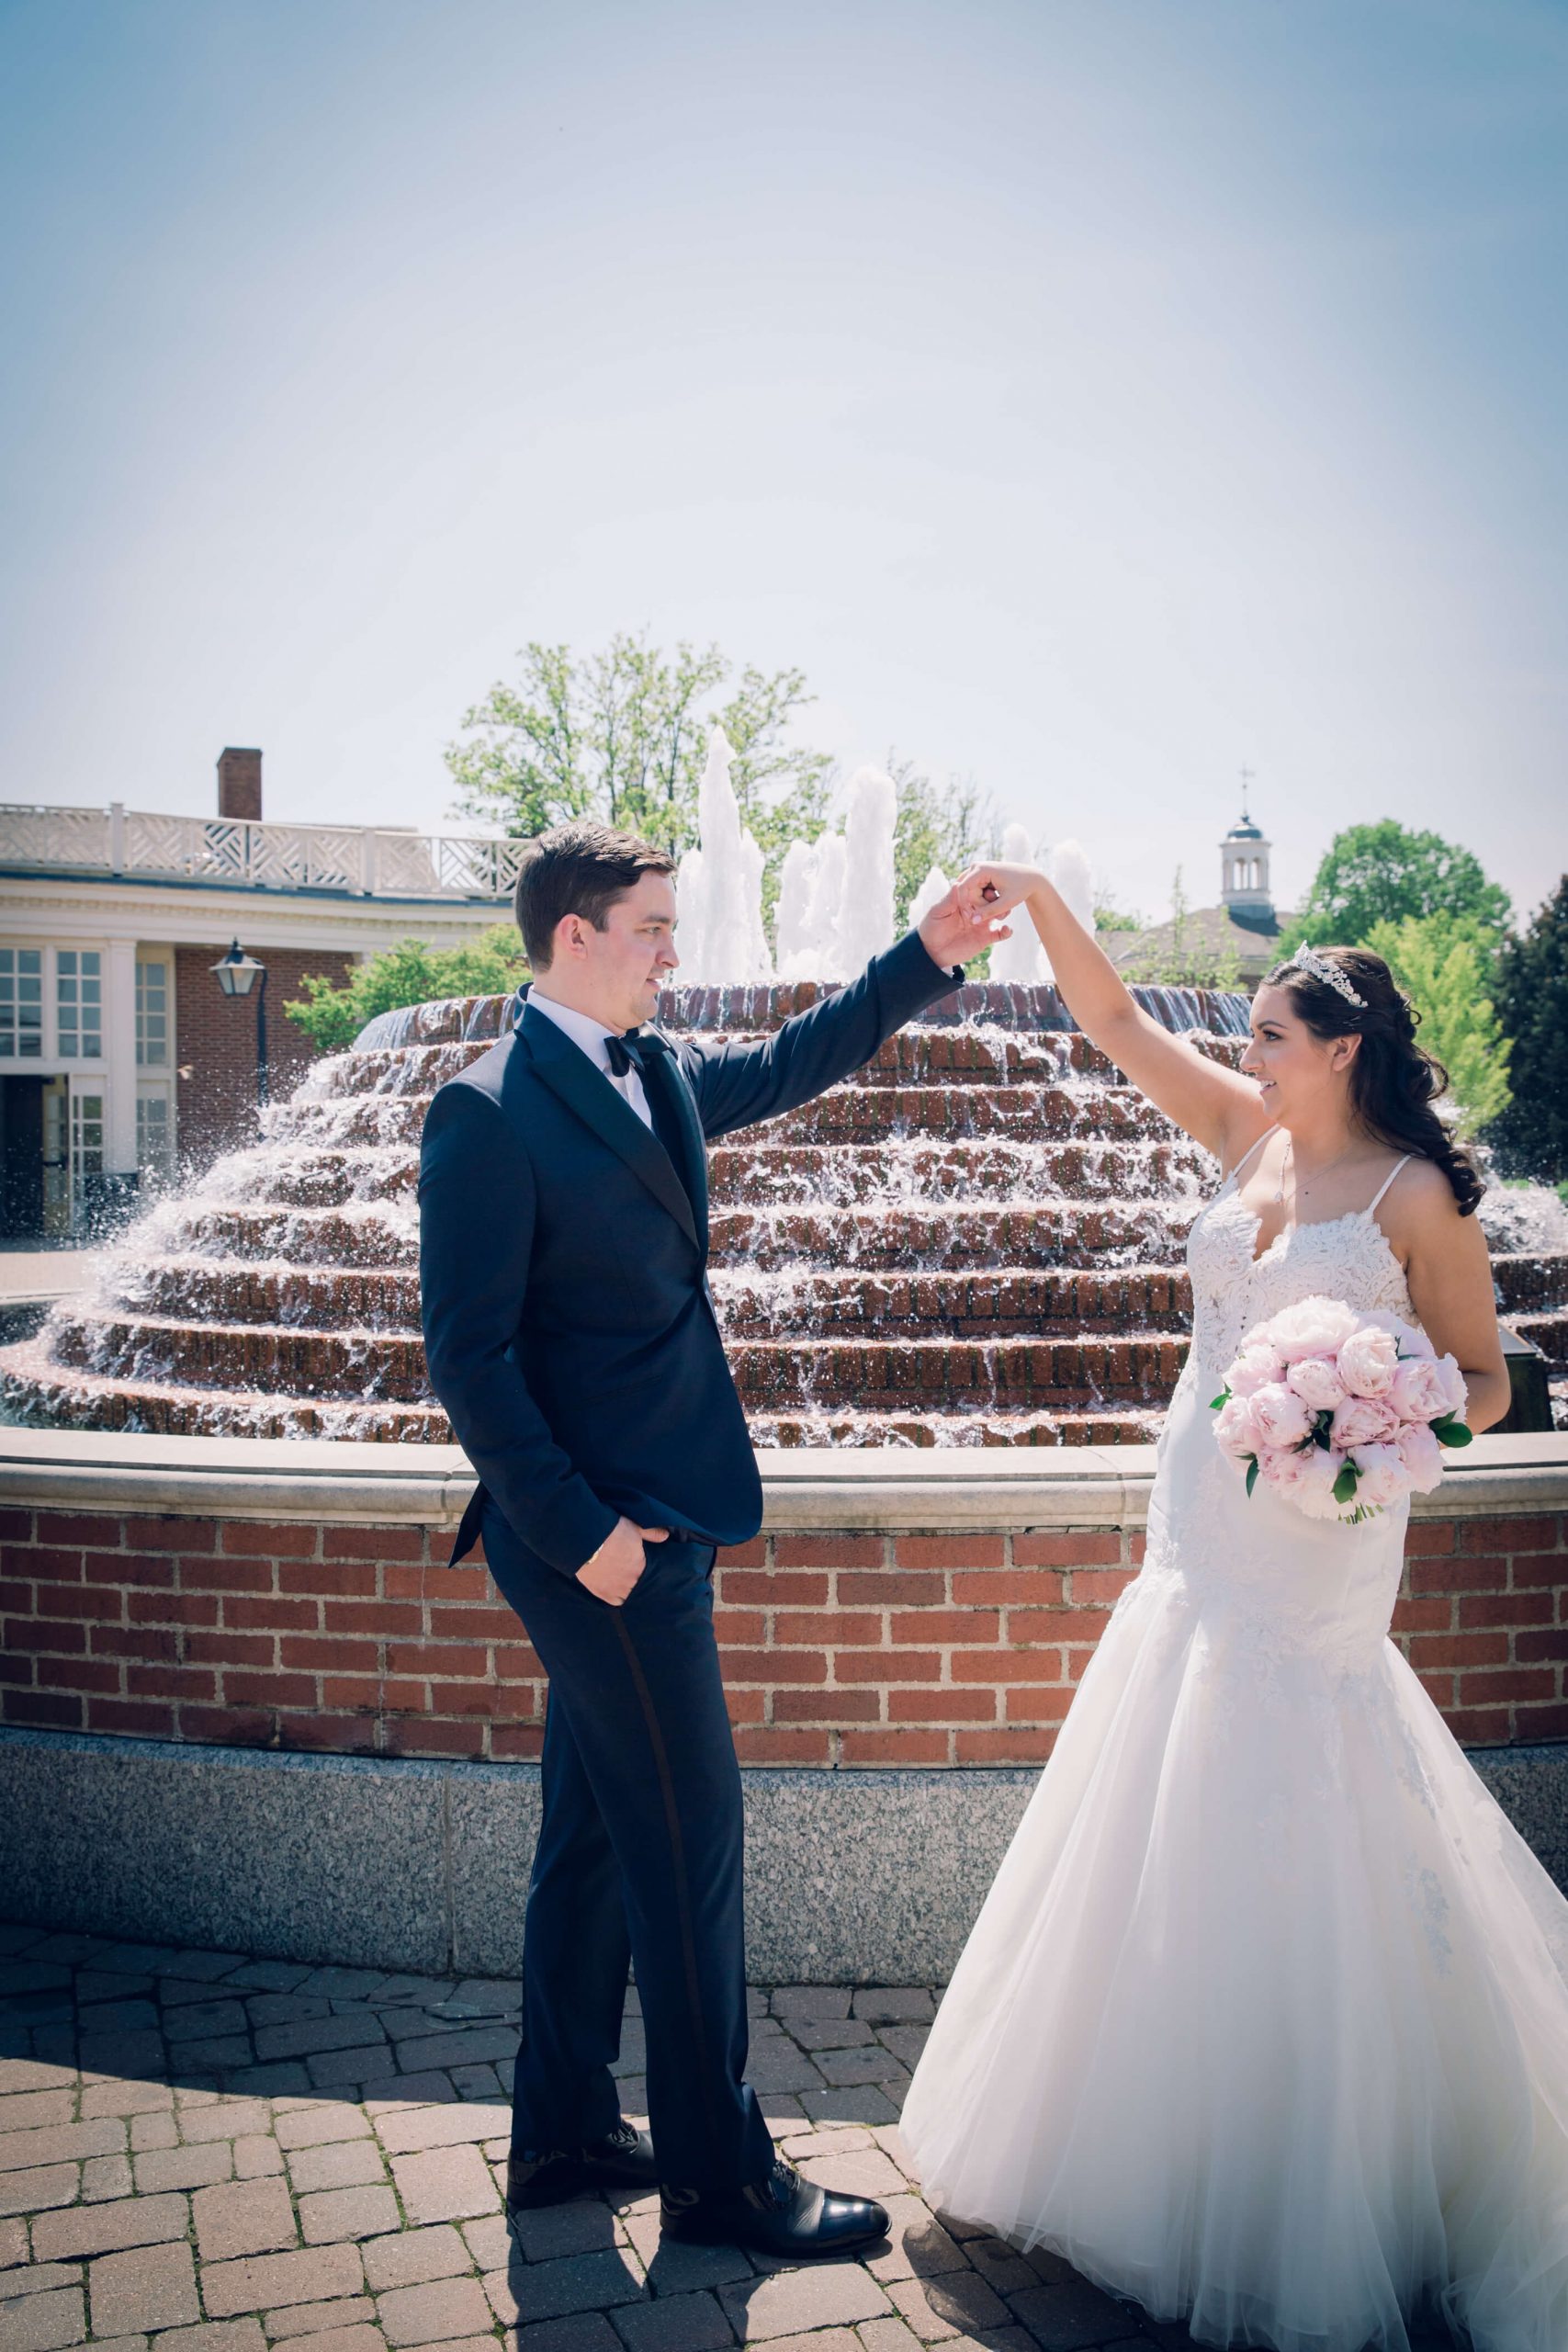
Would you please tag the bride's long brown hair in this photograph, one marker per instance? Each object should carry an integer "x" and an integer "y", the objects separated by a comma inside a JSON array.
[{"x": 1394, "y": 1081}]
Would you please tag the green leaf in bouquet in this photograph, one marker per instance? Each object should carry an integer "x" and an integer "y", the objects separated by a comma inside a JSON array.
[
  {"x": 1345, "y": 1484},
  {"x": 1223, "y": 1398},
  {"x": 1451, "y": 1430},
  {"x": 1251, "y": 1472}
]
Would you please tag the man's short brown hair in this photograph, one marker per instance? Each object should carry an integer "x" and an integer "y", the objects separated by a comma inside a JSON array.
[{"x": 577, "y": 869}]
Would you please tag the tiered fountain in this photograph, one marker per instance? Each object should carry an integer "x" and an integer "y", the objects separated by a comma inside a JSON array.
[{"x": 976, "y": 1240}]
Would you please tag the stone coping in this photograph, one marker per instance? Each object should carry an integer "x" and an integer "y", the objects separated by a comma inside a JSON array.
[{"x": 1002, "y": 1486}]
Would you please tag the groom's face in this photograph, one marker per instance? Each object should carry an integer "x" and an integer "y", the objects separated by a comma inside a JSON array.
[{"x": 634, "y": 956}]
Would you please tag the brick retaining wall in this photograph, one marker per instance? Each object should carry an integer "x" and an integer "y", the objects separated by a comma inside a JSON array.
[{"x": 900, "y": 1649}]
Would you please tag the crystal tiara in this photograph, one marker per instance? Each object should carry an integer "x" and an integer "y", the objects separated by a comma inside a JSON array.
[{"x": 1307, "y": 959}]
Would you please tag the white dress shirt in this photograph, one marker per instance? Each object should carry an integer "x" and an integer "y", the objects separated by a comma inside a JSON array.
[{"x": 590, "y": 1036}]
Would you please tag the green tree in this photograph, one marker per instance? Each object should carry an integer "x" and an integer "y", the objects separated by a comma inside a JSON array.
[
  {"x": 623, "y": 735},
  {"x": 332, "y": 1014},
  {"x": 1531, "y": 1136},
  {"x": 1385, "y": 873},
  {"x": 1440, "y": 966}
]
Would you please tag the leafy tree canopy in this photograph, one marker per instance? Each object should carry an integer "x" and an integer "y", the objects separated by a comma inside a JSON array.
[
  {"x": 1439, "y": 962},
  {"x": 332, "y": 1014},
  {"x": 1385, "y": 873},
  {"x": 622, "y": 735},
  {"x": 1531, "y": 1136}
]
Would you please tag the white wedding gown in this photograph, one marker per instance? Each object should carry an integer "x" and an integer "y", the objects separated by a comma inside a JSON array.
[{"x": 1264, "y": 2023}]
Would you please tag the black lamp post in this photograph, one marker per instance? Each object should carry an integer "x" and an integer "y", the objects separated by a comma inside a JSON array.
[{"x": 236, "y": 976}]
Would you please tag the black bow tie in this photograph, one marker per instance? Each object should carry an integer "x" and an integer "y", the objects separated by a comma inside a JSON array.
[{"x": 625, "y": 1054}]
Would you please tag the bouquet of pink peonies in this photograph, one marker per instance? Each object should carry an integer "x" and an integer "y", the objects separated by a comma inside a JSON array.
[{"x": 1341, "y": 1414}]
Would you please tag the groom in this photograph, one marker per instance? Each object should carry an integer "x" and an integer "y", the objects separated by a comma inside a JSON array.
[{"x": 571, "y": 1338}]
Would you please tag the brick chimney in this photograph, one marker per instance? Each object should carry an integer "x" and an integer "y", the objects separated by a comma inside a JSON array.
[{"x": 239, "y": 785}]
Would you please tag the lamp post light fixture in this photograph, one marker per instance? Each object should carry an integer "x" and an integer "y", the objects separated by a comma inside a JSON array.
[{"x": 237, "y": 975}]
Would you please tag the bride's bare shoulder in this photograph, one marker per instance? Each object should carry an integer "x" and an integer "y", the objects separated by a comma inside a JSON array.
[{"x": 1419, "y": 1205}]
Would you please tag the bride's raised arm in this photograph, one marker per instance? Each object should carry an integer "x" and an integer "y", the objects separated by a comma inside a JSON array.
[{"x": 1217, "y": 1107}]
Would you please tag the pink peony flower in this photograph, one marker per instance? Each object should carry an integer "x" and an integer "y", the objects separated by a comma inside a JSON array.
[
  {"x": 1419, "y": 1390},
  {"x": 1456, "y": 1396},
  {"x": 1422, "y": 1456},
  {"x": 1235, "y": 1431},
  {"x": 1313, "y": 1327},
  {"x": 1383, "y": 1478},
  {"x": 1278, "y": 1465},
  {"x": 1412, "y": 1341},
  {"x": 1314, "y": 1492},
  {"x": 1316, "y": 1381},
  {"x": 1367, "y": 1361},
  {"x": 1305, "y": 1479},
  {"x": 1254, "y": 1368},
  {"x": 1278, "y": 1415},
  {"x": 1362, "y": 1421}
]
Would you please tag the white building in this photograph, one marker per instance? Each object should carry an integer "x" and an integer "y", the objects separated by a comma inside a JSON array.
[{"x": 120, "y": 1054}]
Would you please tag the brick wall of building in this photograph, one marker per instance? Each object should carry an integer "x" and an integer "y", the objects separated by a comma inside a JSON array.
[
  {"x": 926, "y": 1649},
  {"x": 215, "y": 1040}
]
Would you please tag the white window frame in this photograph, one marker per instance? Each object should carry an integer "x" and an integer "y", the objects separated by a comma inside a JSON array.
[
  {"x": 77, "y": 1056},
  {"x": 146, "y": 959},
  {"x": 16, "y": 1060},
  {"x": 51, "y": 1062}
]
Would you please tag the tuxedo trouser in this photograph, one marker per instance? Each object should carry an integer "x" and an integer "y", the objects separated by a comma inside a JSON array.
[{"x": 640, "y": 1855}]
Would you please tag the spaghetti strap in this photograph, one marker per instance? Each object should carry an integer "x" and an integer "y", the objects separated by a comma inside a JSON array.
[
  {"x": 1387, "y": 1180},
  {"x": 1257, "y": 1145}
]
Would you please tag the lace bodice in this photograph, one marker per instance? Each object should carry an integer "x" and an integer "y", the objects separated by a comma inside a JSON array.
[{"x": 1347, "y": 1258}]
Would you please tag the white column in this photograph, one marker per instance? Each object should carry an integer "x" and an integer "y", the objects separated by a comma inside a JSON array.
[{"x": 120, "y": 1054}]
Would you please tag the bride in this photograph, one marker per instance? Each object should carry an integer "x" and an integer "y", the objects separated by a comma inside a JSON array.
[{"x": 1263, "y": 2024}]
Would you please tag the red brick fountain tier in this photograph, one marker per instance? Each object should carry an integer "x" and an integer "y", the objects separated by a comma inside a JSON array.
[{"x": 976, "y": 1240}]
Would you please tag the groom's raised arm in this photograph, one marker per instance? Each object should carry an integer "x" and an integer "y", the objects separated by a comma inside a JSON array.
[
  {"x": 476, "y": 1234},
  {"x": 737, "y": 1084}
]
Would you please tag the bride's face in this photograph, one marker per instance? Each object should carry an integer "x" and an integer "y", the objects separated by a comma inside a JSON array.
[{"x": 1299, "y": 1076}]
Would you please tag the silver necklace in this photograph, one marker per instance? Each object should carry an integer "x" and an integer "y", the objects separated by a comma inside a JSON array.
[{"x": 1288, "y": 1161}]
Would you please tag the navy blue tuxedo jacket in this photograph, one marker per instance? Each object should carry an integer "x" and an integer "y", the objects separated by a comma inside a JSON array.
[{"x": 568, "y": 1325}]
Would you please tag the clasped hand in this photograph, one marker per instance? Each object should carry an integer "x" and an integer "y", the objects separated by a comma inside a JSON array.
[
  {"x": 967, "y": 920},
  {"x": 615, "y": 1566}
]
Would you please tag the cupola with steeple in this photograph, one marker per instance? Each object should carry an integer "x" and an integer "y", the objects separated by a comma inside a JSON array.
[{"x": 1243, "y": 874}]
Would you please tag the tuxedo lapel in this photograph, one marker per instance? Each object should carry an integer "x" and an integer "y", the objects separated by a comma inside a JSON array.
[
  {"x": 569, "y": 1073},
  {"x": 662, "y": 1075}
]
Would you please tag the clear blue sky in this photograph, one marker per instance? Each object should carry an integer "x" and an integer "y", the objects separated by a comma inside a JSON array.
[{"x": 1090, "y": 395}]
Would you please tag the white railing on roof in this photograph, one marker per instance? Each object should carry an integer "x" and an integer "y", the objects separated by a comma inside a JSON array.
[{"x": 362, "y": 859}]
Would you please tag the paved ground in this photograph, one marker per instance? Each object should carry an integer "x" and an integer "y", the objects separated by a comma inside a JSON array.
[
  {"x": 30, "y": 1272},
  {"x": 201, "y": 2152}
]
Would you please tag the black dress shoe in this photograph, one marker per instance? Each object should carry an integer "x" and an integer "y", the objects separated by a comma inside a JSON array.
[
  {"x": 781, "y": 2215},
  {"x": 623, "y": 2159}
]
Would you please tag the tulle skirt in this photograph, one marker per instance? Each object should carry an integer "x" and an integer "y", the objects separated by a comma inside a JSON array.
[{"x": 1263, "y": 2024}]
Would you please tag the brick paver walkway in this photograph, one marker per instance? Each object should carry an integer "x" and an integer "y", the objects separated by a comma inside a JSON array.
[{"x": 203, "y": 2153}]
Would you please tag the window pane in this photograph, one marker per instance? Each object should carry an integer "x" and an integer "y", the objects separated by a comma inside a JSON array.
[
  {"x": 21, "y": 1003},
  {"x": 152, "y": 1014},
  {"x": 78, "y": 996},
  {"x": 86, "y": 1135}
]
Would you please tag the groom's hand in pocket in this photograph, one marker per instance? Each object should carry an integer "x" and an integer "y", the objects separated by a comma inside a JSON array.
[{"x": 619, "y": 1561}]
